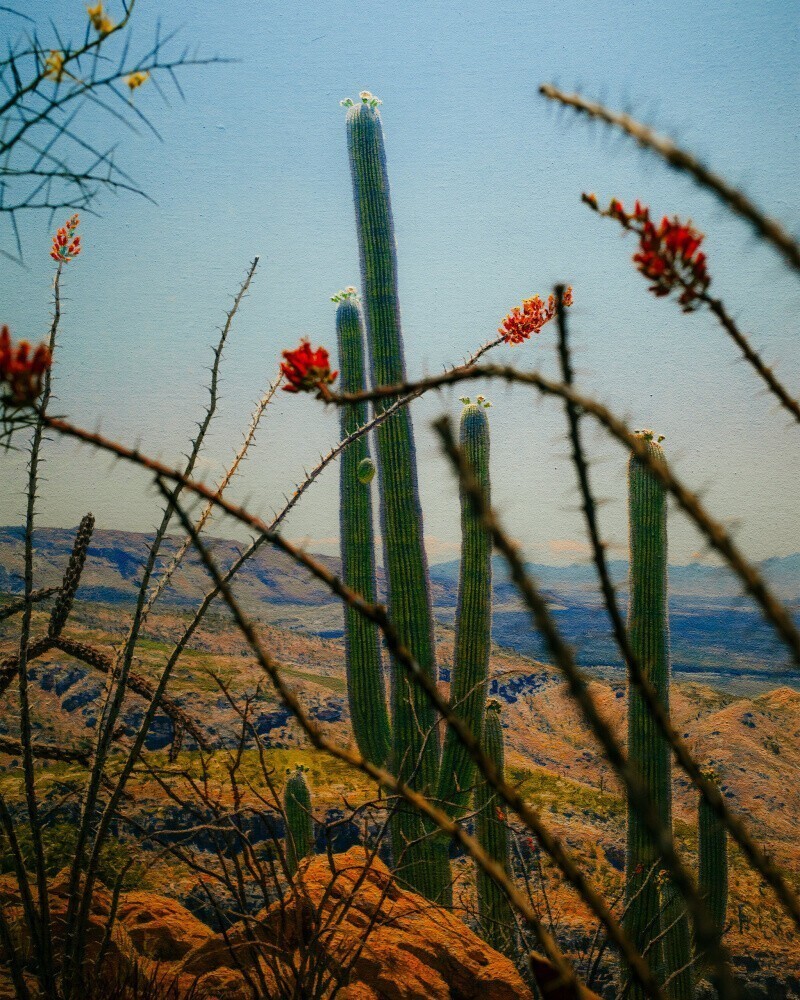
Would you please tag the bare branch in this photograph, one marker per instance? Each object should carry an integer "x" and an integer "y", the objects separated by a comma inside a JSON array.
[{"x": 767, "y": 228}]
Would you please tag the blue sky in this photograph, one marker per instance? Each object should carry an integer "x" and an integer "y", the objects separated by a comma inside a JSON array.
[{"x": 486, "y": 182}]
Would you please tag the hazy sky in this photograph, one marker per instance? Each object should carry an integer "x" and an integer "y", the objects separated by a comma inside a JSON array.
[{"x": 486, "y": 182}]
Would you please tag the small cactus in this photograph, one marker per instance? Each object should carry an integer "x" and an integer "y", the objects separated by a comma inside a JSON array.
[{"x": 299, "y": 821}]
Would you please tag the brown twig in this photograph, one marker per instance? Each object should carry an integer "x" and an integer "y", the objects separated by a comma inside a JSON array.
[
  {"x": 140, "y": 685},
  {"x": 717, "y": 307},
  {"x": 14, "y": 607},
  {"x": 716, "y": 535},
  {"x": 775, "y": 386},
  {"x": 767, "y": 228},
  {"x": 43, "y": 751},
  {"x": 39, "y": 923},
  {"x": 80, "y": 898}
]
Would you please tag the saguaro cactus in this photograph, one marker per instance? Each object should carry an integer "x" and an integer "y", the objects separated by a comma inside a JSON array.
[
  {"x": 368, "y": 711},
  {"x": 415, "y": 750},
  {"x": 676, "y": 942},
  {"x": 299, "y": 821},
  {"x": 713, "y": 875},
  {"x": 473, "y": 617},
  {"x": 494, "y": 910},
  {"x": 648, "y": 751}
]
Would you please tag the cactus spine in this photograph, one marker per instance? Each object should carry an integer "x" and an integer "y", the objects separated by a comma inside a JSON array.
[
  {"x": 299, "y": 821},
  {"x": 648, "y": 751},
  {"x": 676, "y": 943},
  {"x": 713, "y": 875},
  {"x": 368, "y": 711},
  {"x": 415, "y": 751},
  {"x": 494, "y": 910},
  {"x": 473, "y": 618}
]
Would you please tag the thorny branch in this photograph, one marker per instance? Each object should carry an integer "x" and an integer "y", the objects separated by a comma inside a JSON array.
[
  {"x": 758, "y": 858},
  {"x": 716, "y": 535},
  {"x": 766, "y": 227},
  {"x": 48, "y": 159}
]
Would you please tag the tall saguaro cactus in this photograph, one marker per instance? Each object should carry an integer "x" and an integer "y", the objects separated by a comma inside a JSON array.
[
  {"x": 494, "y": 910},
  {"x": 649, "y": 753},
  {"x": 299, "y": 821},
  {"x": 713, "y": 874},
  {"x": 368, "y": 711},
  {"x": 415, "y": 751},
  {"x": 473, "y": 617}
]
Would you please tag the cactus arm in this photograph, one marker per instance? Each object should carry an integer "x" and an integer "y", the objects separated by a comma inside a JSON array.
[
  {"x": 676, "y": 946},
  {"x": 713, "y": 874},
  {"x": 495, "y": 915},
  {"x": 473, "y": 620},
  {"x": 368, "y": 709}
]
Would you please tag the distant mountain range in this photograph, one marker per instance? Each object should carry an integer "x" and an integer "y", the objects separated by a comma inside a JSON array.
[{"x": 717, "y": 635}]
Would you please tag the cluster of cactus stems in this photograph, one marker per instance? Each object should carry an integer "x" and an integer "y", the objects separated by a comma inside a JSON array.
[
  {"x": 403, "y": 734},
  {"x": 495, "y": 914},
  {"x": 299, "y": 821}
]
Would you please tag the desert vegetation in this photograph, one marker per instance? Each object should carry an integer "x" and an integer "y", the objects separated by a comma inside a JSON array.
[{"x": 413, "y": 826}]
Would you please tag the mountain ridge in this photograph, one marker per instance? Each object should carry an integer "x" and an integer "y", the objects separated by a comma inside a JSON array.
[{"x": 718, "y": 636}]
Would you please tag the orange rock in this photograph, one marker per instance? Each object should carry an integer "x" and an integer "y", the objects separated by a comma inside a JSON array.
[
  {"x": 384, "y": 942},
  {"x": 160, "y": 927},
  {"x": 120, "y": 954}
]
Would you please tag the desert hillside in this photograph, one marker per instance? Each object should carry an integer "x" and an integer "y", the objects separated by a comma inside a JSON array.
[{"x": 753, "y": 742}]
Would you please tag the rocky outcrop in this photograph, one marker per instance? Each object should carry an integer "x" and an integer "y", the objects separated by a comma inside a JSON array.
[
  {"x": 159, "y": 927},
  {"x": 119, "y": 953},
  {"x": 345, "y": 921},
  {"x": 353, "y": 919}
]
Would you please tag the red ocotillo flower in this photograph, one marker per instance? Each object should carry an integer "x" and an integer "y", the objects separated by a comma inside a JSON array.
[
  {"x": 669, "y": 254},
  {"x": 305, "y": 369},
  {"x": 66, "y": 245},
  {"x": 530, "y": 317},
  {"x": 21, "y": 370}
]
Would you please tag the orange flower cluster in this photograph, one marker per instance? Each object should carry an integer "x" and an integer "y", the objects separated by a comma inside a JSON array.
[
  {"x": 21, "y": 372},
  {"x": 305, "y": 369},
  {"x": 66, "y": 245},
  {"x": 669, "y": 254},
  {"x": 530, "y": 317}
]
